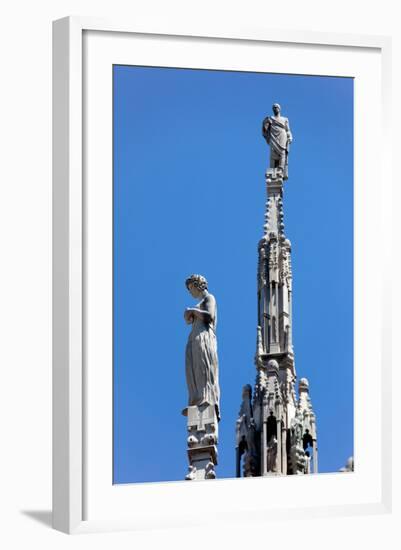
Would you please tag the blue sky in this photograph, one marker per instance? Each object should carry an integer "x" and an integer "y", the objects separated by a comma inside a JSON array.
[{"x": 189, "y": 197}]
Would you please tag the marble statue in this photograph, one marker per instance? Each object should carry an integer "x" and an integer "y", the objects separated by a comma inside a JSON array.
[
  {"x": 272, "y": 454},
  {"x": 276, "y": 431},
  {"x": 297, "y": 428},
  {"x": 201, "y": 362},
  {"x": 277, "y": 133}
]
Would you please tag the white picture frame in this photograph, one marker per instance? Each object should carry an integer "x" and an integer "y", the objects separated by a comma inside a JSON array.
[{"x": 83, "y": 496}]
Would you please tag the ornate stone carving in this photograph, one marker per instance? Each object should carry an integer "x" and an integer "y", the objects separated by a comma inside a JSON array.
[
  {"x": 202, "y": 441},
  {"x": 273, "y": 261},
  {"x": 246, "y": 446},
  {"x": 279, "y": 434},
  {"x": 285, "y": 264},
  {"x": 298, "y": 457},
  {"x": 297, "y": 429},
  {"x": 210, "y": 471},
  {"x": 298, "y": 460}
]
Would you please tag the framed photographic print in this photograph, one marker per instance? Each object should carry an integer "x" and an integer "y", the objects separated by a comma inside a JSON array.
[{"x": 218, "y": 304}]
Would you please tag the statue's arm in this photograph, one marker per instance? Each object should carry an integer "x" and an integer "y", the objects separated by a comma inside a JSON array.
[
  {"x": 208, "y": 314},
  {"x": 265, "y": 128},
  {"x": 188, "y": 316},
  {"x": 289, "y": 134}
]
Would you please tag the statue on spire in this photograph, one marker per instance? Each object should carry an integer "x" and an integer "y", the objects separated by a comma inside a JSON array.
[
  {"x": 201, "y": 361},
  {"x": 277, "y": 133},
  {"x": 202, "y": 374}
]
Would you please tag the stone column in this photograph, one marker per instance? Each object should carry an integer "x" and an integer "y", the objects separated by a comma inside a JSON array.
[
  {"x": 290, "y": 320},
  {"x": 263, "y": 443},
  {"x": 315, "y": 459},
  {"x": 237, "y": 462},
  {"x": 274, "y": 186},
  {"x": 279, "y": 449},
  {"x": 284, "y": 451},
  {"x": 202, "y": 442}
]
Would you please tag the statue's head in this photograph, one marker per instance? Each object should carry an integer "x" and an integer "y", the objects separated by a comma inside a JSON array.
[
  {"x": 276, "y": 108},
  {"x": 196, "y": 284}
]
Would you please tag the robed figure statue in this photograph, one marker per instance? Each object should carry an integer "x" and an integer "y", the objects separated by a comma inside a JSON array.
[
  {"x": 201, "y": 362},
  {"x": 277, "y": 133}
]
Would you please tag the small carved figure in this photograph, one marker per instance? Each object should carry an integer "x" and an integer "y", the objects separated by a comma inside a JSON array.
[
  {"x": 245, "y": 413},
  {"x": 297, "y": 428},
  {"x": 277, "y": 133},
  {"x": 192, "y": 440},
  {"x": 271, "y": 459},
  {"x": 251, "y": 437},
  {"x": 201, "y": 362},
  {"x": 209, "y": 439}
]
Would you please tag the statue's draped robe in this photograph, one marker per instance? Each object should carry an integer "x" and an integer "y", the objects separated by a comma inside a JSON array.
[
  {"x": 276, "y": 132},
  {"x": 201, "y": 364}
]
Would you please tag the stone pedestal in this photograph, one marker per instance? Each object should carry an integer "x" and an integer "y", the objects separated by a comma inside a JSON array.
[{"x": 202, "y": 441}]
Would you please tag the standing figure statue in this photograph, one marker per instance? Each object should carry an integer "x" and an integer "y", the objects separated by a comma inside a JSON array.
[
  {"x": 201, "y": 362},
  {"x": 297, "y": 428},
  {"x": 277, "y": 133},
  {"x": 271, "y": 459}
]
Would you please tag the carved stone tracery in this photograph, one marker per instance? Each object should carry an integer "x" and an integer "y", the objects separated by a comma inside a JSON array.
[{"x": 262, "y": 449}]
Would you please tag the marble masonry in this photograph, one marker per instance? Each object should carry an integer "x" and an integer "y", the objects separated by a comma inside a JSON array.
[{"x": 276, "y": 428}]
